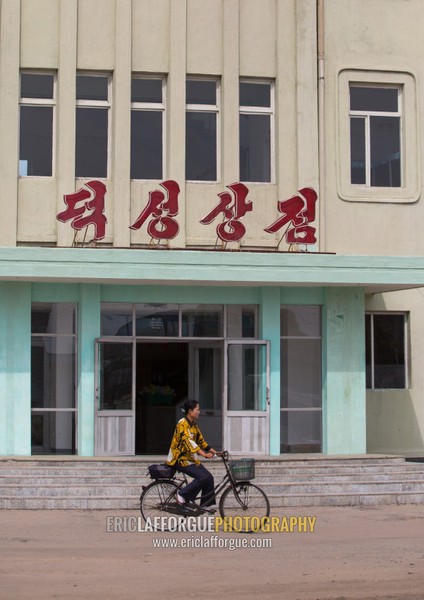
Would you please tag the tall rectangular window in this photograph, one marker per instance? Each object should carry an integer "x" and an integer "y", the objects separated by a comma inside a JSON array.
[
  {"x": 256, "y": 131},
  {"x": 53, "y": 378},
  {"x": 37, "y": 104},
  {"x": 92, "y": 125},
  {"x": 375, "y": 144},
  {"x": 301, "y": 379},
  {"x": 386, "y": 351},
  {"x": 202, "y": 110},
  {"x": 147, "y": 127}
]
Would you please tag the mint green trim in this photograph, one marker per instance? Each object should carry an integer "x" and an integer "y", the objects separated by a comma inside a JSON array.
[
  {"x": 88, "y": 331},
  {"x": 52, "y": 292},
  {"x": 344, "y": 402},
  {"x": 302, "y": 296},
  {"x": 375, "y": 273},
  {"x": 180, "y": 294},
  {"x": 15, "y": 374},
  {"x": 270, "y": 330}
]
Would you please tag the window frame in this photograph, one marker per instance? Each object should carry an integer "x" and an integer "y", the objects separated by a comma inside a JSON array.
[
  {"x": 212, "y": 109},
  {"x": 262, "y": 110},
  {"x": 41, "y": 102},
  {"x": 406, "y": 341},
  {"x": 74, "y": 410},
  {"x": 93, "y": 104},
  {"x": 366, "y": 115},
  {"x": 409, "y": 138},
  {"x": 318, "y": 336},
  {"x": 154, "y": 107}
]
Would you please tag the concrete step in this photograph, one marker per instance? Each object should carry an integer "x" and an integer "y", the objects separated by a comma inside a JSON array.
[
  {"x": 77, "y": 483},
  {"x": 34, "y": 478}
]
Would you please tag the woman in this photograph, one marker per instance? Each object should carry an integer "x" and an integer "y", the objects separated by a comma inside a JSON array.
[{"x": 186, "y": 443}]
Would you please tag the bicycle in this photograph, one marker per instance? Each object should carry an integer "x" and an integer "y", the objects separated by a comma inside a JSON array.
[{"x": 240, "y": 497}]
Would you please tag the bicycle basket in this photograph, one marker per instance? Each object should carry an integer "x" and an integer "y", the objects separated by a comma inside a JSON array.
[
  {"x": 243, "y": 469},
  {"x": 161, "y": 471}
]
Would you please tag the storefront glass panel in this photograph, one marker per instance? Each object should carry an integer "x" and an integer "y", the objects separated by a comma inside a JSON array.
[
  {"x": 117, "y": 319},
  {"x": 301, "y": 431},
  {"x": 53, "y": 432},
  {"x": 202, "y": 320},
  {"x": 115, "y": 376},
  {"x": 246, "y": 377},
  {"x": 53, "y": 378},
  {"x": 157, "y": 320},
  {"x": 301, "y": 379}
]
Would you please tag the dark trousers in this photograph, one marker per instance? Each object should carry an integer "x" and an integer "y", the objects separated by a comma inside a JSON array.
[{"x": 202, "y": 481}]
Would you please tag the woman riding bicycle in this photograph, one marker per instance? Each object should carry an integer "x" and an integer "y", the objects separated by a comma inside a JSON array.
[{"x": 188, "y": 441}]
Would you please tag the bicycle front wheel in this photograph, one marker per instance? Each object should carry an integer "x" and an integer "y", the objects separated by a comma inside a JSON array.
[
  {"x": 153, "y": 500},
  {"x": 245, "y": 500}
]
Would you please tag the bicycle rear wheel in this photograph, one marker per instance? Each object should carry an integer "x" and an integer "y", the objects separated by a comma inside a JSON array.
[
  {"x": 154, "y": 498},
  {"x": 247, "y": 500}
]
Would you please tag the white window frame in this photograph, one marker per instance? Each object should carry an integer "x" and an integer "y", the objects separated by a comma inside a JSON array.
[
  {"x": 79, "y": 103},
  {"x": 405, "y": 315},
  {"x": 263, "y": 110},
  {"x": 154, "y": 106},
  {"x": 44, "y": 102},
  {"x": 209, "y": 108},
  {"x": 366, "y": 116},
  {"x": 405, "y": 82}
]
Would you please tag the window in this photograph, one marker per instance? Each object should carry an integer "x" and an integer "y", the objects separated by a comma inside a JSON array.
[
  {"x": 38, "y": 93},
  {"x": 147, "y": 128},
  {"x": 378, "y": 137},
  {"x": 386, "y": 352},
  {"x": 201, "y": 129},
  {"x": 256, "y": 131},
  {"x": 375, "y": 136},
  {"x": 53, "y": 378},
  {"x": 179, "y": 320},
  {"x": 92, "y": 125},
  {"x": 301, "y": 379}
]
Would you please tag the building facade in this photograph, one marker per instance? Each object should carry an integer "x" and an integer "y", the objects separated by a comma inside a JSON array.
[{"x": 211, "y": 199}]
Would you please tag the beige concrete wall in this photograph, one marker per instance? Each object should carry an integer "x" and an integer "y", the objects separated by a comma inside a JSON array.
[
  {"x": 383, "y": 41},
  {"x": 226, "y": 39},
  {"x": 395, "y": 418}
]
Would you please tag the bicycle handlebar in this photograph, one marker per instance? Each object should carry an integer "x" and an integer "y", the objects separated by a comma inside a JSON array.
[{"x": 223, "y": 454}]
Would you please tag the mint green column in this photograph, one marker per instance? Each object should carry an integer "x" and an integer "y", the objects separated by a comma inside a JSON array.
[
  {"x": 344, "y": 422},
  {"x": 15, "y": 368},
  {"x": 270, "y": 330},
  {"x": 88, "y": 331}
]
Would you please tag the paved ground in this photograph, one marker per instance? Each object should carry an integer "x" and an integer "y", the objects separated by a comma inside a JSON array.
[{"x": 353, "y": 553}]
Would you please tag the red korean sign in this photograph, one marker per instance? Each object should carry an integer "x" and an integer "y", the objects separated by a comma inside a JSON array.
[{"x": 86, "y": 207}]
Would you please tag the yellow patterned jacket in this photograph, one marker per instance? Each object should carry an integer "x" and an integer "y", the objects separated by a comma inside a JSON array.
[{"x": 186, "y": 442}]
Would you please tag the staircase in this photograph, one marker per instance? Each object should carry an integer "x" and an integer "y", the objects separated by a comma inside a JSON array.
[{"x": 297, "y": 480}]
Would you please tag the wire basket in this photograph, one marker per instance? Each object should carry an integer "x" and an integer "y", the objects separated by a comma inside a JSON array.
[{"x": 243, "y": 469}]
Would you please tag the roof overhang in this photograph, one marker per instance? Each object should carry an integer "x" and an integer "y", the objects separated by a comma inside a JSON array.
[{"x": 202, "y": 267}]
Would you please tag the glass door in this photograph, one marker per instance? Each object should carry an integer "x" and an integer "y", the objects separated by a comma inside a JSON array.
[
  {"x": 205, "y": 386},
  {"x": 115, "y": 423},
  {"x": 246, "y": 397}
]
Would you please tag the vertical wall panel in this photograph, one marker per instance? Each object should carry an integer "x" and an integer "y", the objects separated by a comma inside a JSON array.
[
  {"x": 258, "y": 37},
  {"x": 40, "y": 33},
  {"x": 96, "y": 34},
  {"x": 9, "y": 119},
  {"x": 150, "y": 35},
  {"x": 15, "y": 368},
  {"x": 204, "y": 37}
]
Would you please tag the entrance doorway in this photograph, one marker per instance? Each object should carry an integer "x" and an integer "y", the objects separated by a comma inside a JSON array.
[
  {"x": 166, "y": 374},
  {"x": 162, "y": 371},
  {"x": 142, "y": 385}
]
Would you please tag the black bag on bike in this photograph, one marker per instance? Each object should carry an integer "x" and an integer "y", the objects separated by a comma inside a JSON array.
[{"x": 161, "y": 471}]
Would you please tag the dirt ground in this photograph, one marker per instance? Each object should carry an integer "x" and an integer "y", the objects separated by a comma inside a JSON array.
[{"x": 353, "y": 553}]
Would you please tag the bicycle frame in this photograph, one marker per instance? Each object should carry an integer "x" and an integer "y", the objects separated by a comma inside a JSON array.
[{"x": 226, "y": 479}]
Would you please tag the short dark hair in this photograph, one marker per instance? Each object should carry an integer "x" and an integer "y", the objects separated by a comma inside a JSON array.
[{"x": 189, "y": 405}]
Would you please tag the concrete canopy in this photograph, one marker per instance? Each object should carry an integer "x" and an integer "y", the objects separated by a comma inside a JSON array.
[{"x": 190, "y": 267}]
